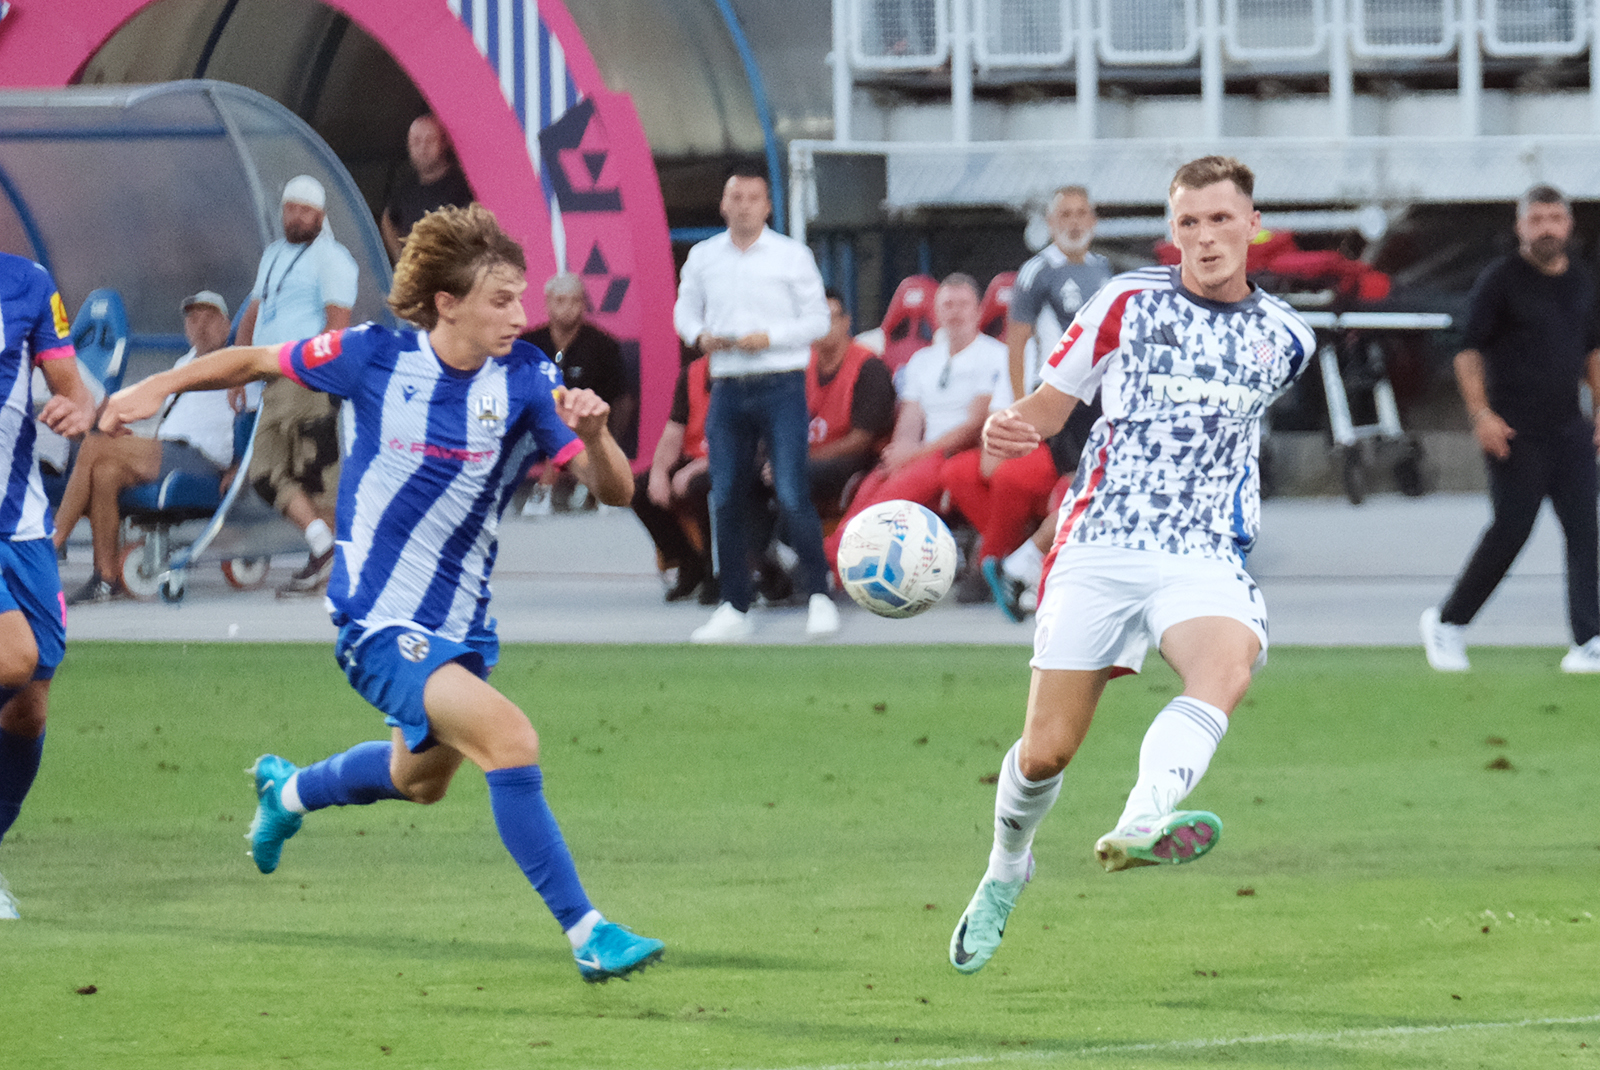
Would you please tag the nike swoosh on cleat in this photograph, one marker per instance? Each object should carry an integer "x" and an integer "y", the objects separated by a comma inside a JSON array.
[
  {"x": 962, "y": 956},
  {"x": 593, "y": 964}
]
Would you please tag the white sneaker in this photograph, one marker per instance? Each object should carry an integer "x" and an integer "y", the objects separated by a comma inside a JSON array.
[
  {"x": 727, "y": 625},
  {"x": 822, "y": 618},
  {"x": 538, "y": 503},
  {"x": 1446, "y": 644},
  {"x": 8, "y": 903},
  {"x": 1585, "y": 658}
]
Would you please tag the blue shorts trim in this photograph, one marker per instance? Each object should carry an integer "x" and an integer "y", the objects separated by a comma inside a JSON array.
[
  {"x": 390, "y": 667},
  {"x": 31, "y": 582}
]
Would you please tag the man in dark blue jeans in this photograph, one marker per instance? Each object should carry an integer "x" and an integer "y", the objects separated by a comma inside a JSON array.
[
  {"x": 753, "y": 301},
  {"x": 1531, "y": 338}
]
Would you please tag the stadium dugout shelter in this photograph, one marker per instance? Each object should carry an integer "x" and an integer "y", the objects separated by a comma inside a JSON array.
[
  {"x": 159, "y": 191},
  {"x": 556, "y": 153}
]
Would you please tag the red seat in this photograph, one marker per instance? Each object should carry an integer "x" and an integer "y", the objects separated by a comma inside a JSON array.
[
  {"x": 908, "y": 324},
  {"x": 996, "y": 303}
]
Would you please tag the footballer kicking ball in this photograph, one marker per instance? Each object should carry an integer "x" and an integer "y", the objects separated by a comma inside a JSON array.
[{"x": 897, "y": 558}]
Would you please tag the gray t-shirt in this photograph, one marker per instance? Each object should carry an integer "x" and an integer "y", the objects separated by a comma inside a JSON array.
[{"x": 1049, "y": 291}]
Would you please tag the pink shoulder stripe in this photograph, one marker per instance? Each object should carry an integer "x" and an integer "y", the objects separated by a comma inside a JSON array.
[
  {"x": 61, "y": 352},
  {"x": 285, "y": 364}
]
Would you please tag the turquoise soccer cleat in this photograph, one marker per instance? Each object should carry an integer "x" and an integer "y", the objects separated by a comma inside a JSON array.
[
  {"x": 1170, "y": 839},
  {"x": 272, "y": 823},
  {"x": 983, "y": 923},
  {"x": 614, "y": 950}
]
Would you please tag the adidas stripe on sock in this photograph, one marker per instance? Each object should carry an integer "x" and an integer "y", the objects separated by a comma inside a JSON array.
[{"x": 1176, "y": 750}]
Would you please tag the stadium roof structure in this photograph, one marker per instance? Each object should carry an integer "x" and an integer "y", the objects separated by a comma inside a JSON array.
[{"x": 159, "y": 191}]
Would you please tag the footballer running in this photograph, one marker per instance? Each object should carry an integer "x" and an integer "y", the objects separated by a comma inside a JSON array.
[{"x": 1151, "y": 543}]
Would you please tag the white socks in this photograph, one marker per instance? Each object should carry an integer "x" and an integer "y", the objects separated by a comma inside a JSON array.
[
  {"x": 289, "y": 794},
  {"x": 1024, "y": 564},
  {"x": 1019, "y": 806},
  {"x": 1176, "y": 750},
  {"x": 319, "y": 536},
  {"x": 578, "y": 935}
]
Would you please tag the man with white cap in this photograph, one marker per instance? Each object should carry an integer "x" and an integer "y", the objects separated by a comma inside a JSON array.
[
  {"x": 305, "y": 285},
  {"x": 195, "y": 434}
]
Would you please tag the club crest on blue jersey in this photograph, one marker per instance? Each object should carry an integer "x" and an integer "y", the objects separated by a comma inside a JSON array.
[
  {"x": 487, "y": 408},
  {"x": 413, "y": 646}
]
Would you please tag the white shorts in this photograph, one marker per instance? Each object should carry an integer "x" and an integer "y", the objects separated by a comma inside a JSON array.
[{"x": 1106, "y": 606}]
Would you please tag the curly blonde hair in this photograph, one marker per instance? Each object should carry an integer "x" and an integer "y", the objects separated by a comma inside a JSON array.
[{"x": 447, "y": 252}]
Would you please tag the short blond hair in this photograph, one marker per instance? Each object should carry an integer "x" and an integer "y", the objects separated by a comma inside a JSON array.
[
  {"x": 448, "y": 251},
  {"x": 1209, "y": 170}
]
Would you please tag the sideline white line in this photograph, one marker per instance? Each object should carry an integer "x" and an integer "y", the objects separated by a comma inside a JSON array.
[{"x": 1189, "y": 1045}]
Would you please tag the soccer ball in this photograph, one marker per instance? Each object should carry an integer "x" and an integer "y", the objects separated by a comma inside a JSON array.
[{"x": 897, "y": 558}]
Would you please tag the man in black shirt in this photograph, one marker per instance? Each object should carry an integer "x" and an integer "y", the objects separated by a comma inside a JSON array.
[
  {"x": 437, "y": 182},
  {"x": 1531, "y": 338},
  {"x": 589, "y": 359}
]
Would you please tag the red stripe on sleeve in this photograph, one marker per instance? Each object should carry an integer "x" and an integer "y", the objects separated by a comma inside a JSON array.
[{"x": 1110, "y": 334}]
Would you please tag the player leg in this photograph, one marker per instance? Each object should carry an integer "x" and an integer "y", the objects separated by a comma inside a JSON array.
[
  {"x": 1212, "y": 625},
  {"x": 32, "y": 642},
  {"x": 1061, "y": 705},
  {"x": 471, "y": 717}
]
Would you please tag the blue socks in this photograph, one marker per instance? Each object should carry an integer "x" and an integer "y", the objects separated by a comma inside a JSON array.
[
  {"x": 357, "y": 777},
  {"x": 19, "y": 762},
  {"x": 530, "y": 833}
]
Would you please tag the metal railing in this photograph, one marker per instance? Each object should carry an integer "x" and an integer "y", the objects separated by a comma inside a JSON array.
[{"x": 888, "y": 35}]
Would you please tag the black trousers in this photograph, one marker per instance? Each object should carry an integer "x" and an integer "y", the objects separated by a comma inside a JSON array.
[
  {"x": 1560, "y": 467},
  {"x": 665, "y": 529}
]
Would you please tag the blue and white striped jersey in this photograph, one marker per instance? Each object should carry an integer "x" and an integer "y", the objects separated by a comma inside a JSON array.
[
  {"x": 33, "y": 329},
  {"x": 436, "y": 456}
]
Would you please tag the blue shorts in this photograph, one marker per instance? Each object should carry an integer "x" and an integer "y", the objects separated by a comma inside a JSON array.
[
  {"x": 31, "y": 582},
  {"x": 390, "y": 667}
]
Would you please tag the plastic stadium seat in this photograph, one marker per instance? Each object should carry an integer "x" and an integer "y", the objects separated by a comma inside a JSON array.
[
  {"x": 996, "y": 303},
  {"x": 100, "y": 335},
  {"x": 908, "y": 323}
]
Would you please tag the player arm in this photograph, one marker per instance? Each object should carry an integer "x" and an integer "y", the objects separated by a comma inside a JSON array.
[
  {"x": 70, "y": 410},
  {"x": 1017, "y": 336},
  {"x": 337, "y": 317},
  {"x": 600, "y": 464},
  {"x": 1017, "y": 430},
  {"x": 234, "y": 366}
]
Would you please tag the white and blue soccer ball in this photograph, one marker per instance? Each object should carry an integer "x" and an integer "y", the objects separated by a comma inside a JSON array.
[{"x": 897, "y": 558}]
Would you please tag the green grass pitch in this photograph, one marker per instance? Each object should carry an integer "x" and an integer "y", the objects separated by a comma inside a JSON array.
[{"x": 1409, "y": 875}]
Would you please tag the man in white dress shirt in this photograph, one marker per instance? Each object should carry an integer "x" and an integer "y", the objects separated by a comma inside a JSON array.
[{"x": 753, "y": 301}]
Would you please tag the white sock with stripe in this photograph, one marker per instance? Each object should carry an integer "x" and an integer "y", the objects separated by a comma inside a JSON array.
[
  {"x": 1019, "y": 806},
  {"x": 1176, "y": 750}
]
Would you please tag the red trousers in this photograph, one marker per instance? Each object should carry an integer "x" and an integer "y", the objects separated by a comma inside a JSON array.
[
  {"x": 916, "y": 482},
  {"x": 1006, "y": 507}
]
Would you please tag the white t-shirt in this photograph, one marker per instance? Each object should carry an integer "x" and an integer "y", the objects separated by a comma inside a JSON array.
[
  {"x": 203, "y": 419},
  {"x": 946, "y": 383}
]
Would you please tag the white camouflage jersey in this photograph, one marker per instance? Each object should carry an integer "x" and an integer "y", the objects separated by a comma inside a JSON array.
[{"x": 1171, "y": 465}]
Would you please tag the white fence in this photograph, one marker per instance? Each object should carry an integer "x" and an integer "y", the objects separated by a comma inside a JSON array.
[{"x": 916, "y": 34}]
